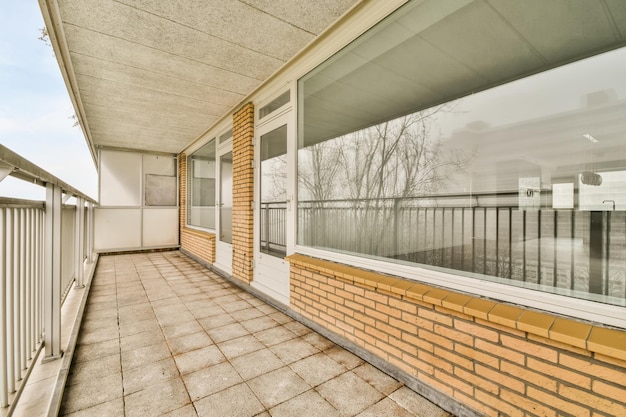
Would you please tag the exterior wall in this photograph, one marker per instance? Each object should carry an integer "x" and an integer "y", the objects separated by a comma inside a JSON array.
[
  {"x": 198, "y": 243},
  {"x": 494, "y": 358},
  {"x": 243, "y": 192}
]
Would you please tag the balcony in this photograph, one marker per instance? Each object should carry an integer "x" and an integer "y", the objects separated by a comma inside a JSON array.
[{"x": 83, "y": 335}]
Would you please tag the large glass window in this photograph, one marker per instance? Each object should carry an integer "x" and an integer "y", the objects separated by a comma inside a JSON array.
[
  {"x": 522, "y": 183},
  {"x": 274, "y": 192},
  {"x": 201, "y": 187}
]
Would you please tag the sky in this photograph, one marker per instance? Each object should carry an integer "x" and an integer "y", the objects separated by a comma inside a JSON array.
[{"x": 35, "y": 108}]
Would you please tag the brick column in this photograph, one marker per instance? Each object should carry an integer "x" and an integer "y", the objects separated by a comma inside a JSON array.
[{"x": 243, "y": 192}]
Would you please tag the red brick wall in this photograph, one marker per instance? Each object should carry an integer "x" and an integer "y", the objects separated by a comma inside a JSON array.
[
  {"x": 492, "y": 368},
  {"x": 243, "y": 192}
]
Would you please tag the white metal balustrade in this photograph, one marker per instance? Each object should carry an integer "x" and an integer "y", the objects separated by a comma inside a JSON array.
[{"x": 43, "y": 249}]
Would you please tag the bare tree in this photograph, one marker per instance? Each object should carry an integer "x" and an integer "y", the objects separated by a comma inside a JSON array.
[{"x": 372, "y": 170}]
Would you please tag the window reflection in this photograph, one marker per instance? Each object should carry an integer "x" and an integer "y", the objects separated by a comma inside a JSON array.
[
  {"x": 201, "y": 188},
  {"x": 524, "y": 183}
]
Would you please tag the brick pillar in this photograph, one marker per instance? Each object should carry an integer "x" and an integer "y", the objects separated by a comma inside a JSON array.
[{"x": 243, "y": 192}]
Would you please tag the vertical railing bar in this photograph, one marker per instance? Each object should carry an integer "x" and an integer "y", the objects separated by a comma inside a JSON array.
[
  {"x": 29, "y": 276},
  {"x": 17, "y": 290},
  {"x": 36, "y": 302},
  {"x": 473, "y": 239},
  {"x": 524, "y": 245},
  {"x": 485, "y": 240},
  {"x": 510, "y": 243},
  {"x": 432, "y": 250},
  {"x": 4, "y": 390},
  {"x": 572, "y": 248},
  {"x": 23, "y": 353},
  {"x": 10, "y": 305},
  {"x": 539, "y": 246},
  {"x": 463, "y": 238},
  {"x": 497, "y": 241},
  {"x": 452, "y": 241},
  {"x": 443, "y": 236},
  {"x": 607, "y": 257},
  {"x": 556, "y": 230}
]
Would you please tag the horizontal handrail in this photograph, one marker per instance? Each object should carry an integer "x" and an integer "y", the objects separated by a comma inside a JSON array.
[
  {"x": 44, "y": 249},
  {"x": 23, "y": 169},
  {"x": 18, "y": 203}
]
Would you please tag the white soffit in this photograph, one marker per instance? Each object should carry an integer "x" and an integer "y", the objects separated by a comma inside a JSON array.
[{"x": 154, "y": 75}]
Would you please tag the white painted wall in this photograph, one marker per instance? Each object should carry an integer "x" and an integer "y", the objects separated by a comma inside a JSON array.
[{"x": 124, "y": 220}]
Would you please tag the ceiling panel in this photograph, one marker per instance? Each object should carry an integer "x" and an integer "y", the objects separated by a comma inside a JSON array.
[{"x": 154, "y": 75}]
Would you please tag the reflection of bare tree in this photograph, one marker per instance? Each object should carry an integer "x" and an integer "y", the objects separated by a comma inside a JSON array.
[{"x": 371, "y": 170}]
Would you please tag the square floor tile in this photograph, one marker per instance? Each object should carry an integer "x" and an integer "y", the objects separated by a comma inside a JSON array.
[
  {"x": 275, "y": 335},
  {"x": 349, "y": 394},
  {"x": 240, "y": 346},
  {"x": 317, "y": 369},
  {"x": 181, "y": 329},
  {"x": 258, "y": 324},
  {"x": 293, "y": 350},
  {"x": 386, "y": 408},
  {"x": 236, "y": 401},
  {"x": 94, "y": 351},
  {"x": 145, "y": 355},
  {"x": 189, "y": 342},
  {"x": 186, "y": 411},
  {"x": 228, "y": 332},
  {"x": 199, "y": 359},
  {"x": 157, "y": 399},
  {"x": 94, "y": 369},
  {"x": 278, "y": 386},
  {"x": 416, "y": 404},
  {"x": 113, "y": 408},
  {"x": 142, "y": 339},
  {"x": 92, "y": 392},
  {"x": 213, "y": 322},
  {"x": 210, "y": 380},
  {"x": 309, "y": 404},
  {"x": 247, "y": 314},
  {"x": 377, "y": 378},
  {"x": 144, "y": 376},
  {"x": 256, "y": 363},
  {"x": 347, "y": 359}
]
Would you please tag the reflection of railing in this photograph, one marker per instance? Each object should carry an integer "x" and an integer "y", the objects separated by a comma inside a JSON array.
[
  {"x": 273, "y": 228},
  {"x": 43, "y": 247},
  {"x": 484, "y": 233}
]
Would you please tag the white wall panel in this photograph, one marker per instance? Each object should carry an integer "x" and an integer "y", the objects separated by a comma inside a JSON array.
[
  {"x": 120, "y": 179},
  {"x": 160, "y": 227},
  {"x": 117, "y": 228}
]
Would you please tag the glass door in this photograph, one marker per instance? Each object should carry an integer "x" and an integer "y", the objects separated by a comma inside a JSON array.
[
  {"x": 224, "y": 235},
  {"x": 273, "y": 223}
]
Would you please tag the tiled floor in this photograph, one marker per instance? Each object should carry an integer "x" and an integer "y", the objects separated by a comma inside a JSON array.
[{"x": 162, "y": 335}]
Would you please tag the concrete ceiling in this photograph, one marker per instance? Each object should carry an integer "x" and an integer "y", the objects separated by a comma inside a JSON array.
[{"x": 154, "y": 75}]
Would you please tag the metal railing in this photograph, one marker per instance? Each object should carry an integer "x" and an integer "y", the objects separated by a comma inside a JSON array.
[
  {"x": 487, "y": 234},
  {"x": 43, "y": 249},
  {"x": 273, "y": 228}
]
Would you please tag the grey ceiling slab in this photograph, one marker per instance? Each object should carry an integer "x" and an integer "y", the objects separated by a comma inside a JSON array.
[
  {"x": 312, "y": 16},
  {"x": 154, "y": 75},
  {"x": 116, "y": 72},
  {"x": 233, "y": 21}
]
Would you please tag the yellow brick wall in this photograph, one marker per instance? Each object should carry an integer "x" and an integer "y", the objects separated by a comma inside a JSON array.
[
  {"x": 243, "y": 192},
  {"x": 200, "y": 244},
  {"x": 481, "y": 359}
]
